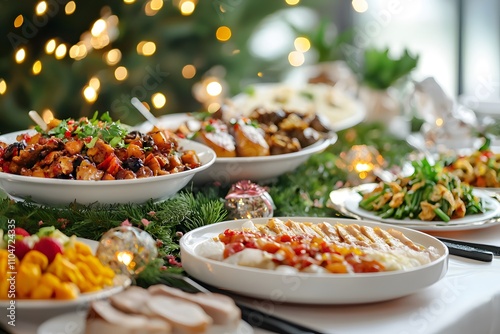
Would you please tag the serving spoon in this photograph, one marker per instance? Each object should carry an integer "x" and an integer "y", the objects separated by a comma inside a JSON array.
[
  {"x": 144, "y": 111},
  {"x": 38, "y": 119}
]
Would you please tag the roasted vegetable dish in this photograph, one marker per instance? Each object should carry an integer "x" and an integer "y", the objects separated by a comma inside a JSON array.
[
  {"x": 95, "y": 149},
  {"x": 479, "y": 169},
  {"x": 262, "y": 133},
  {"x": 428, "y": 194}
]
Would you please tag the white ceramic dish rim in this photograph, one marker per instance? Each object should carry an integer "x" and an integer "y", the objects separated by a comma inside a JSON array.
[
  {"x": 121, "y": 283},
  {"x": 352, "y": 119},
  {"x": 312, "y": 275},
  {"x": 77, "y": 321},
  {"x": 327, "y": 139},
  {"x": 344, "y": 288},
  {"x": 352, "y": 204},
  {"x": 109, "y": 183}
]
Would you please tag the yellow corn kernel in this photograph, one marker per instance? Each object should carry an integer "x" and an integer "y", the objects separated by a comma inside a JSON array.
[
  {"x": 82, "y": 248},
  {"x": 36, "y": 257},
  {"x": 50, "y": 280},
  {"x": 107, "y": 281},
  {"x": 28, "y": 277},
  {"x": 42, "y": 292},
  {"x": 338, "y": 268},
  {"x": 87, "y": 273},
  {"x": 66, "y": 290},
  {"x": 70, "y": 254},
  {"x": 4, "y": 289}
]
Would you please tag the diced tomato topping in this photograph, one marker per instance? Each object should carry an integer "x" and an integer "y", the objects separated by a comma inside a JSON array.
[{"x": 233, "y": 248}]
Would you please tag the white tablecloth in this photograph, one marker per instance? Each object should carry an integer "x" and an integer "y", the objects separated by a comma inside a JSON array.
[{"x": 466, "y": 300}]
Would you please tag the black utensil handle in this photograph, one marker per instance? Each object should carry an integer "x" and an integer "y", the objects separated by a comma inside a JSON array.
[
  {"x": 256, "y": 318},
  {"x": 490, "y": 248},
  {"x": 469, "y": 252}
]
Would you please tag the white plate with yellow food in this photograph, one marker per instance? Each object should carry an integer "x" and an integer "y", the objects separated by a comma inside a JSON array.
[
  {"x": 396, "y": 270},
  {"x": 118, "y": 282},
  {"x": 258, "y": 148},
  {"x": 63, "y": 191}
]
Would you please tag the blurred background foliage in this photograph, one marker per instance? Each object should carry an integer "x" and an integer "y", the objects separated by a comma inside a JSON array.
[{"x": 59, "y": 77}]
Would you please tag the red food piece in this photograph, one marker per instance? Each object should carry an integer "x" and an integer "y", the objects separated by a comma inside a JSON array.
[
  {"x": 21, "y": 247},
  {"x": 21, "y": 231},
  {"x": 50, "y": 247}
]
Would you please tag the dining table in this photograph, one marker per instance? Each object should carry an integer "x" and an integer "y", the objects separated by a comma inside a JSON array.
[{"x": 466, "y": 300}]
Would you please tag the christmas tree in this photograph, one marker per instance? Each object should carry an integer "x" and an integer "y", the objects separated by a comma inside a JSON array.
[{"x": 70, "y": 58}]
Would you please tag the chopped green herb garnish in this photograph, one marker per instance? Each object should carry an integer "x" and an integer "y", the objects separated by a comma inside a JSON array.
[{"x": 102, "y": 127}]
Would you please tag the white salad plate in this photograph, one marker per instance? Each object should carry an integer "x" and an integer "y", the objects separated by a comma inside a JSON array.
[
  {"x": 469, "y": 222},
  {"x": 309, "y": 288},
  {"x": 63, "y": 192}
]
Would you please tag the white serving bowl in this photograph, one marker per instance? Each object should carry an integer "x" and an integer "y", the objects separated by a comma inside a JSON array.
[
  {"x": 63, "y": 192},
  {"x": 226, "y": 171},
  {"x": 310, "y": 288}
]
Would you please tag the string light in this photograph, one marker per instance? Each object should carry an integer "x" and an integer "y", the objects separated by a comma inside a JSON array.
[
  {"x": 113, "y": 57},
  {"x": 188, "y": 71},
  {"x": 260, "y": 74},
  {"x": 121, "y": 73},
  {"x": 128, "y": 2},
  {"x": 95, "y": 83},
  {"x": 3, "y": 86},
  {"x": 47, "y": 115},
  {"x": 223, "y": 33},
  {"x": 360, "y": 6},
  {"x": 41, "y": 8},
  {"x": 78, "y": 51},
  {"x": 89, "y": 94},
  {"x": 98, "y": 27},
  {"x": 156, "y": 4},
  {"x": 61, "y": 51},
  {"x": 187, "y": 7},
  {"x": 292, "y": 2},
  {"x": 50, "y": 46},
  {"x": 296, "y": 58},
  {"x": 213, "y": 107},
  {"x": 214, "y": 88},
  {"x": 148, "y": 10},
  {"x": 149, "y": 48},
  {"x": 37, "y": 67},
  {"x": 20, "y": 55},
  {"x": 302, "y": 44},
  {"x": 146, "y": 48},
  {"x": 70, "y": 8},
  {"x": 18, "y": 21},
  {"x": 159, "y": 100}
]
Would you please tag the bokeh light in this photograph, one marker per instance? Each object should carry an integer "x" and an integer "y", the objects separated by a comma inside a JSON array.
[
  {"x": 158, "y": 100},
  {"x": 223, "y": 33},
  {"x": 188, "y": 71}
]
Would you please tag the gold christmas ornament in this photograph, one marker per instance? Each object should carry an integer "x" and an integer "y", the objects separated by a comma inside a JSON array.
[
  {"x": 127, "y": 250},
  {"x": 247, "y": 200}
]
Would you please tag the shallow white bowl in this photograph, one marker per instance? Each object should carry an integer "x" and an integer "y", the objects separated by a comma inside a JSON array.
[
  {"x": 226, "y": 171},
  {"x": 306, "y": 288},
  {"x": 343, "y": 113},
  {"x": 64, "y": 192}
]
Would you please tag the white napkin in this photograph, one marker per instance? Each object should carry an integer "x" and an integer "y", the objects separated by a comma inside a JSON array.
[{"x": 446, "y": 122}]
